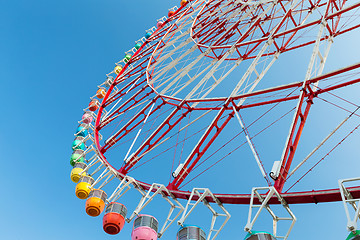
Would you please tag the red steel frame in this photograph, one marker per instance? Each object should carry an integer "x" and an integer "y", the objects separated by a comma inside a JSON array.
[
  {"x": 306, "y": 97},
  {"x": 334, "y": 10}
]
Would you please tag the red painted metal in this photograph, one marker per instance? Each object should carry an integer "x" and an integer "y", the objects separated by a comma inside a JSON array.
[
  {"x": 275, "y": 89},
  {"x": 314, "y": 196},
  {"x": 134, "y": 84},
  {"x": 152, "y": 140},
  {"x": 140, "y": 95},
  {"x": 296, "y": 128},
  {"x": 292, "y": 147},
  {"x": 131, "y": 124},
  {"x": 197, "y": 152},
  {"x": 294, "y": 137},
  {"x": 206, "y": 29},
  {"x": 209, "y": 136}
]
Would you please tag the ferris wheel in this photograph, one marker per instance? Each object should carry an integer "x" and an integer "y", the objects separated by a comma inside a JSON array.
[{"x": 190, "y": 110}]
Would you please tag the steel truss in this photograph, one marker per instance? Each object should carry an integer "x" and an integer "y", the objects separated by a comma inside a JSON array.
[
  {"x": 350, "y": 198},
  {"x": 222, "y": 35},
  {"x": 329, "y": 195},
  {"x": 148, "y": 194},
  {"x": 202, "y": 195},
  {"x": 128, "y": 183},
  {"x": 154, "y": 190},
  {"x": 264, "y": 204},
  {"x": 254, "y": 40}
]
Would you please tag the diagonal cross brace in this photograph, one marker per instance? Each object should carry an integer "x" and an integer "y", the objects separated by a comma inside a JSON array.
[
  {"x": 200, "y": 195},
  {"x": 271, "y": 192},
  {"x": 347, "y": 200},
  {"x": 123, "y": 187},
  {"x": 154, "y": 190}
]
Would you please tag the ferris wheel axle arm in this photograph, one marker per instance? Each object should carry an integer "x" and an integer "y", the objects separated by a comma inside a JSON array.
[
  {"x": 310, "y": 95},
  {"x": 138, "y": 69},
  {"x": 301, "y": 114},
  {"x": 321, "y": 143},
  {"x": 293, "y": 139},
  {"x": 338, "y": 72}
]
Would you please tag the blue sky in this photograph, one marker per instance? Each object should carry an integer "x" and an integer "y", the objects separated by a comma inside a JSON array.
[{"x": 53, "y": 55}]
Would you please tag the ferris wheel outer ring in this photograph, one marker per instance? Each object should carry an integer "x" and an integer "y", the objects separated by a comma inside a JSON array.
[
  {"x": 314, "y": 196},
  {"x": 303, "y": 197}
]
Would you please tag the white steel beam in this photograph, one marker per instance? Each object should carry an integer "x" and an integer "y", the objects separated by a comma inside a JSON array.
[
  {"x": 201, "y": 194},
  {"x": 155, "y": 190},
  {"x": 261, "y": 167},
  {"x": 322, "y": 142},
  {"x": 348, "y": 199},
  {"x": 271, "y": 191}
]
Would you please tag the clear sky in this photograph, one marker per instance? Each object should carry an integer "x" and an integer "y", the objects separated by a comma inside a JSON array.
[{"x": 53, "y": 54}]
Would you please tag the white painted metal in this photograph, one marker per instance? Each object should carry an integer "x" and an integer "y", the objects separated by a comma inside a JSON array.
[
  {"x": 101, "y": 166},
  {"x": 347, "y": 200},
  {"x": 170, "y": 43},
  {"x": 201, "y": 194},
  {"x": 256, "y": 60},
  {"x": 275, "y": 170},
  {"x": 123, "y": 187},
  {"x": 166, "y": 139},
  {"x": 89, "y": 149},
  {"x": 103, "y": 175},
  {"x": 138, "y": 133},
  {"x": 105, "y": 115},
  {"x": 271, "y": 191},
  {"x": 107, "y": 180},
  {"x": 216, "y": 83},
  {"x": 218, "y": 62},
  {"x": 262, "y": 170},
  {"x": 182, "y": 72},
  {"x": 251, "y": 2},
  {"x": 211, "y": 72},
  {"x": 163, "y": 19},
  {"x": 311, "y": 73},
  {"x": 189, "y": 67},
  {"x": 260, "y": 75},
  {"x": 91, "y": 162},
  {"x": 86, "y": 138},
  {"x": 155, "y": 190},
  {"x": 141, "y": 40},
  {"x": 178, "y": 169},
  {"x": 322, "y": 143},
  {"x": 103, "y": 119},
  {"x": 174, "y": 8}
]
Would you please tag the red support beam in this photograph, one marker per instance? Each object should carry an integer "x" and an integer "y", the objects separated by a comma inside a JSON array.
[
  {"x": 136, "y": 120},
  {"x": 154, "y": 138},
  {"x": 127, "y": 105},
  {"x": 198, "y": 151},
  {"x": 292, "y": 144}
]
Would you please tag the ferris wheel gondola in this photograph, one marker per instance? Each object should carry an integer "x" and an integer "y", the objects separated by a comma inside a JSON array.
[{"x": 170, "y": 98}]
